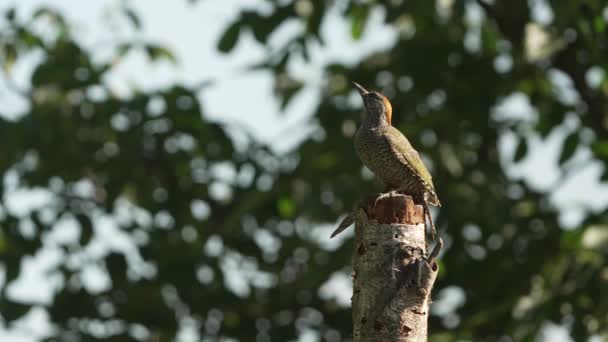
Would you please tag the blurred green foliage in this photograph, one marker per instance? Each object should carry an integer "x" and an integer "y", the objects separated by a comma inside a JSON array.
[{"x": 151, "y": 161}]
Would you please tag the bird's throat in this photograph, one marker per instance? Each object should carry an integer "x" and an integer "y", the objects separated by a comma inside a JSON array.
[{"x": 375, "y": 120}]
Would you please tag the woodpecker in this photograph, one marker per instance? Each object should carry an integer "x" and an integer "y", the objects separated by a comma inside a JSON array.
[{"x": 389, "y": 155}]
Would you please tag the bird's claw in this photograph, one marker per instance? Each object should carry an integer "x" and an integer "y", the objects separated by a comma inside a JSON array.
[{"x": 383, "y": 196}]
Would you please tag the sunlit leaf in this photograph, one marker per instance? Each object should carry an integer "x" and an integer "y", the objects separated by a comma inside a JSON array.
[
  {"x": 359, "y": 15},
  {"x": 286, "y": 207},
  {"x": 600, "y": 149},
  {"x": 30, "y": 39}
]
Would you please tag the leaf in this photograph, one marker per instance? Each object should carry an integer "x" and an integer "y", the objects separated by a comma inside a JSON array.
[
  {"x": 133, "y": 17},
  {"x": 286, "y": 207},
  {"x": 572, "y": 240},
  {"x": 10, "y": 56},
  {"x": 604, "y": 176},
  {"x": 304, "y": 50},
  {"x": 599, "y": 24},
  {"x": 10, "y": 15},
  {"x": 86, "y": 229},
  {"x": 288, "y": 94},
  {"x": 229, "y": 38},
  {"x": 31, "y": 40},
  {"x": 13, "y": 310},
  {"x": 123, "y": 49},
  {"x": 282, "y": 64},
  {"x": 569, "y": 147},
  {"x": 600, "y": 149},
  {"x": 156, "y": 52},
  {"x": 51, "y": 14},
  {"x": 521, "y": 151},
  {"x": 261, "y": 29},
  {"x": 359, "y": 16},
  {"x": 43, "y": 11},
  {"x": 313, "y": 25}
]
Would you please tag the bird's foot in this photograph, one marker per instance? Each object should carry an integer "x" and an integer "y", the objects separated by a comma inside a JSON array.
[{"x": 385, "y": 195}]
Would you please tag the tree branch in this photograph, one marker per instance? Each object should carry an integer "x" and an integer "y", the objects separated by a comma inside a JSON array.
[{"x": 392, "y": 278}]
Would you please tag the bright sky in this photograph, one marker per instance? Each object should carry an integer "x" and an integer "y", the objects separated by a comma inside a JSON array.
[{"x": 246, "y": 100}]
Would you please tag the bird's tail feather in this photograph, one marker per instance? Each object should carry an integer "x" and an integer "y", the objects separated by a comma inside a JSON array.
[{"x": 433, "y": 199}]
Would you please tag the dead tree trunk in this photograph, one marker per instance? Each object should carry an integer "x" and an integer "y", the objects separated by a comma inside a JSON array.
[{"x": 393, "y": 275}]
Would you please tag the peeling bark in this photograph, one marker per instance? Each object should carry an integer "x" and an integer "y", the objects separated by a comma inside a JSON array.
[{"x": 393, "y": 277}]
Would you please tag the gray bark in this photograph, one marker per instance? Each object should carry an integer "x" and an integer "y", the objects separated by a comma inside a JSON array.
[{"x": 392, "y": 274}]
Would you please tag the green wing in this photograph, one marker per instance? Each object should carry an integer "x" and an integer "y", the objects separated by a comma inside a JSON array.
[{"x": 410, "y": 158}]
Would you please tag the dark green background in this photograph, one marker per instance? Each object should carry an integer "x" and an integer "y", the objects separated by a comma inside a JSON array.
[{"x": 531, "y": 271}]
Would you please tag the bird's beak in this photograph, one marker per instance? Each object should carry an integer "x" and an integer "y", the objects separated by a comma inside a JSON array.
[{"x": 361, "y": 90}]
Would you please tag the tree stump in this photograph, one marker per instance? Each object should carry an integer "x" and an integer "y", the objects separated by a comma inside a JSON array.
[{"x": 393, "y": 276}]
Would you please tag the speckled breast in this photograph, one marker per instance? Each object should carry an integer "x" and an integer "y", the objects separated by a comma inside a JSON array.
[{"x": 376, "y": 154}]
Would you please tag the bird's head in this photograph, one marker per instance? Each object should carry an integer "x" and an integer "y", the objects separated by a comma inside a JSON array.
[{"x": 376, "y": 104}]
